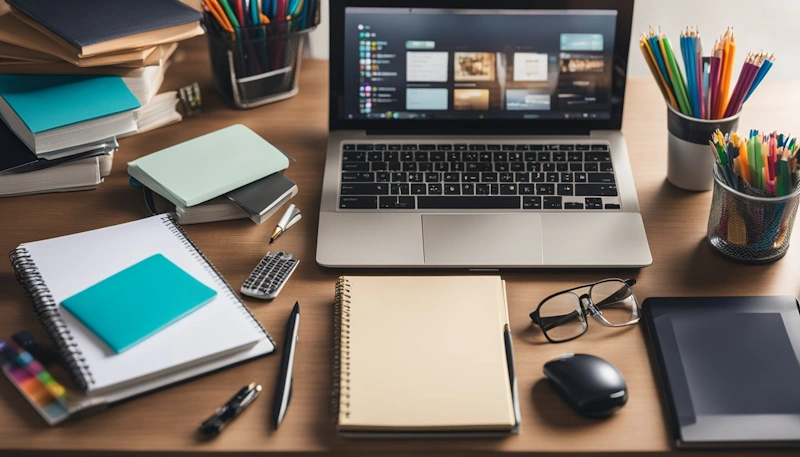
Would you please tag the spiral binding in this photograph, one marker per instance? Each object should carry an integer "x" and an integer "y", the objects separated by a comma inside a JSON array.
[
  {"x": 46, "y": 309},
  {"x": 341, "y": 353},
  {"x": 178, "y": 231}
]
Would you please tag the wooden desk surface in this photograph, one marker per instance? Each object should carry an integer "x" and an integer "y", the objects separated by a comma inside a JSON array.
[{"x": 165, "y": 421}]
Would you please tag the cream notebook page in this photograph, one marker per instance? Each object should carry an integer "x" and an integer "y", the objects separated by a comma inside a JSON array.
[{"x": 426, "y": 353}]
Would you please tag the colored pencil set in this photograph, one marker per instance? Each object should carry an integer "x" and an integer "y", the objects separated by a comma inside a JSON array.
[
  {"x": 231, "y": 15},
  {"x": 702, "y": 89},
  {"x": 764, "y": 161}
]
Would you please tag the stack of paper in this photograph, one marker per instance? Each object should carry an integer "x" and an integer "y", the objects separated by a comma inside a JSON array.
[{"x": 227, "y": 174}]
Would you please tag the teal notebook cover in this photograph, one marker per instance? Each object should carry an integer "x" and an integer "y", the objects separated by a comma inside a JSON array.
[
  {"x": 46, "y": 102},
  {"x": 137, "y": 302},
  {"x": 208, "y": 166}
]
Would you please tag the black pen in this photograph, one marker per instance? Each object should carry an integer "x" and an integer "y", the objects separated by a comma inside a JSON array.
[
  {"x": 227, "y": 412},
  {"x": 511, "y": 374},
  {"x": 283, "y": 390}
]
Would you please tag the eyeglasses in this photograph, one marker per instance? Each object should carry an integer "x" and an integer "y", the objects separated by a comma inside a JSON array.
[{"x": 562, "y": 316}]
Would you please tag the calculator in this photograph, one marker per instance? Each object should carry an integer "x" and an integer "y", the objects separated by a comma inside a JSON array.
[{"x": 269, "y": 276}]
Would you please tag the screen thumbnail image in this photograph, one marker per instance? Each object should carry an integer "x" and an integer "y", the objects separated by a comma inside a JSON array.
[
  {"x": 474, "y": 66},
  {"x": 581, "y": 63},
  {"x": 471, "y": 99},
  {"x": 527, "y": 100}
]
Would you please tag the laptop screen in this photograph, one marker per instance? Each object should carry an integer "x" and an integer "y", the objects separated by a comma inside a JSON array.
[{"x": 459, "y": 64}]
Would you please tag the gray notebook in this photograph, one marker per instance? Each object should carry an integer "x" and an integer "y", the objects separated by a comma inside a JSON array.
[
  {"x": 263, "y": 197},
  {"x": 729, "y": 368}
]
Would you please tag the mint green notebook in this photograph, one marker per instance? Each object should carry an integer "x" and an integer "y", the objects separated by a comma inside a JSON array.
[
  {"x": 137, "y": 302},
  {"x": 208, "y": 166}
]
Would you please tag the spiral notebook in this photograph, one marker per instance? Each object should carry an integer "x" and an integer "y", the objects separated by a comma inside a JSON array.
[
  {"x": 423, "y": 357},
  {"x": 220, "y": 333}
]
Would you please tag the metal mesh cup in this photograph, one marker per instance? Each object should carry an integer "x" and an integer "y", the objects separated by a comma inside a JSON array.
[
  {"x": 750, "y": 228},
  {"x": 258, "y": 64}
]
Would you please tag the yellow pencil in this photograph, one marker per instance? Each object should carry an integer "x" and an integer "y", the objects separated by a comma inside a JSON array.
[
  {"x": 745, "y": 163},
  {"x": 644, "y": 45}
]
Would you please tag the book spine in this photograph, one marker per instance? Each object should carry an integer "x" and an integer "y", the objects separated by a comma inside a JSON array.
[
  {"x": 340, "y": 398},
  {"x": 179, "y": 233},
  {"x": 47, "y": 311}
]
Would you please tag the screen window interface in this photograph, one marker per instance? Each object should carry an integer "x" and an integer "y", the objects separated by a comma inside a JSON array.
[{"x": 403, "y": 63}]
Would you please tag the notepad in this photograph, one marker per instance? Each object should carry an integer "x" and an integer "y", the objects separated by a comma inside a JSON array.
[
  {"x": 208, "y": 166},
  {"x": 422, "y": 355},
  {"x": 137, "y": 302}
]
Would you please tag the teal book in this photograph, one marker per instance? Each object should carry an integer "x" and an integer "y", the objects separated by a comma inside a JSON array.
[
  {"x": 46, "y": 102},
  {"x": 126, "y": 308},
  {"x": 208, "y": 166}
]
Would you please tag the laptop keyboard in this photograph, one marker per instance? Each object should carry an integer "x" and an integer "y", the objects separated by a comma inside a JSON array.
[{"x": 478, "y": 176}]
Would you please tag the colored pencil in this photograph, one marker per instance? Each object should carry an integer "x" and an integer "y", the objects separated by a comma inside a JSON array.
[
  {"x": 765, "y": 161},
  {"x": 702, "y": 88}
]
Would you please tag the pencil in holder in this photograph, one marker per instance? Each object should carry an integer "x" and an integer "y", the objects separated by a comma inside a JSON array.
[
  {"x": 750, "y": 225},
  {"x": 258, "y": 64}
]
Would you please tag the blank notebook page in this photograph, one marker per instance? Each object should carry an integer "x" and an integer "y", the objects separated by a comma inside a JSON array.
[
  {"x": 73, "y": 263},
  {"x": 427, "y": 353}
]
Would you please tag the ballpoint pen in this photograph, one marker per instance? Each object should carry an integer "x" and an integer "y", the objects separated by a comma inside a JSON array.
[
  {"x": 227, "y": 412},
  {"x": 289, "y": 218},
  {"x": 283, "y": 391}
]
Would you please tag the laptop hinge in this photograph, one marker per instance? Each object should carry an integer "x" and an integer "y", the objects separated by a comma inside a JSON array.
[{"x": 431, "y": 131}]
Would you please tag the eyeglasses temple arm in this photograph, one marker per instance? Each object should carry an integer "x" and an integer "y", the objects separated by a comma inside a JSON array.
[{"x": 554, "y": 321}]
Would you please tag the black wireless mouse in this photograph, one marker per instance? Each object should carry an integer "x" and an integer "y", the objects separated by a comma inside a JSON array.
[{"x": 590, "y": 385}]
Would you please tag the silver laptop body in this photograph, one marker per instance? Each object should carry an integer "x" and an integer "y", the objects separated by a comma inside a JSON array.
[{"x": 448, "y": 150}]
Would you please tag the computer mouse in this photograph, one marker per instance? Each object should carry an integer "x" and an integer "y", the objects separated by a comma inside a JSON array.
[{"x": 592, "y": 386}]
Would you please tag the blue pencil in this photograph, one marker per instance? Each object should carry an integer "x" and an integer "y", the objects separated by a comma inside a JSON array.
[
  {"x": 691, "y": 72},
  {"x": 654, "y": 46},
  {"x": 254, "y": 12}
]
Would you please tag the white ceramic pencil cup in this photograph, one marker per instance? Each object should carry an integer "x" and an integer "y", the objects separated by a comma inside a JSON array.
[{"x": 690, "y": 163}]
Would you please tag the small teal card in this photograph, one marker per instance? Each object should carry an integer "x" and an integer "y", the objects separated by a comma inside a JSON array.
[{"x": 139, "y": 301}]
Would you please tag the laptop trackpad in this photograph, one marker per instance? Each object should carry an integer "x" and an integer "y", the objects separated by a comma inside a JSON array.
[{"x": 482, "y": 240}]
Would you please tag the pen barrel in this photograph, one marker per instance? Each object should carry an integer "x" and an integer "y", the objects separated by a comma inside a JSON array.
[{"x": 689, "y": 164}]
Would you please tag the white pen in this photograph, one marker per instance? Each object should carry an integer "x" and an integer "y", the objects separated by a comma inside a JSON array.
[{"x": 289, "y": 218}]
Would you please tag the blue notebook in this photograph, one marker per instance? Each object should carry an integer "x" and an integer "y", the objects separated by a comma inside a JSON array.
[
  {"x": 137, "y": 302},
  {"x": 46, "y": 102}
]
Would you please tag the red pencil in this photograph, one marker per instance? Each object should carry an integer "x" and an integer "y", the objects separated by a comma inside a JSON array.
[
  {"x": 744, "y": 74},
  {"x": 751, "y": 77}
]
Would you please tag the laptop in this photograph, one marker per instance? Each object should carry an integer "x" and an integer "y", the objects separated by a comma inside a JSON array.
[{"x": 479, "y": 135}]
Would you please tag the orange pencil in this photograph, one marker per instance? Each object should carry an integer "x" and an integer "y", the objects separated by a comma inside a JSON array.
[
  {"x": 728, "y": 57},
  {"x": 216, "y": 10}
]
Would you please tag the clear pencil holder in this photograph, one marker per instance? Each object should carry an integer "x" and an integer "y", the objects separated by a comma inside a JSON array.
[
  {"x": 750, "y": 228},
  {"x": 258, "y": 64}
]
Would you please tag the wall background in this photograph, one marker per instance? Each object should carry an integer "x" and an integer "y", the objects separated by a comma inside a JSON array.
[{"x": 765, "y": 24}]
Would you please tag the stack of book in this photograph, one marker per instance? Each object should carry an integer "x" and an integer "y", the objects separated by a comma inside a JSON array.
[
  {"x": 74, "y": 77},
  {"x": 205, "y": 186}
]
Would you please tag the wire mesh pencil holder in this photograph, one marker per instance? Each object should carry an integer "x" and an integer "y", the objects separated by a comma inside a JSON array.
[
  {"x": 259, "y": 64},
  {"x": 751, "y": 227}
]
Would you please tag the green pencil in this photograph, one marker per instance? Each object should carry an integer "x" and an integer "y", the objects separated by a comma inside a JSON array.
[
  {"x": 229, "y": 12},
  {"x": 677, "y": 79}
]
